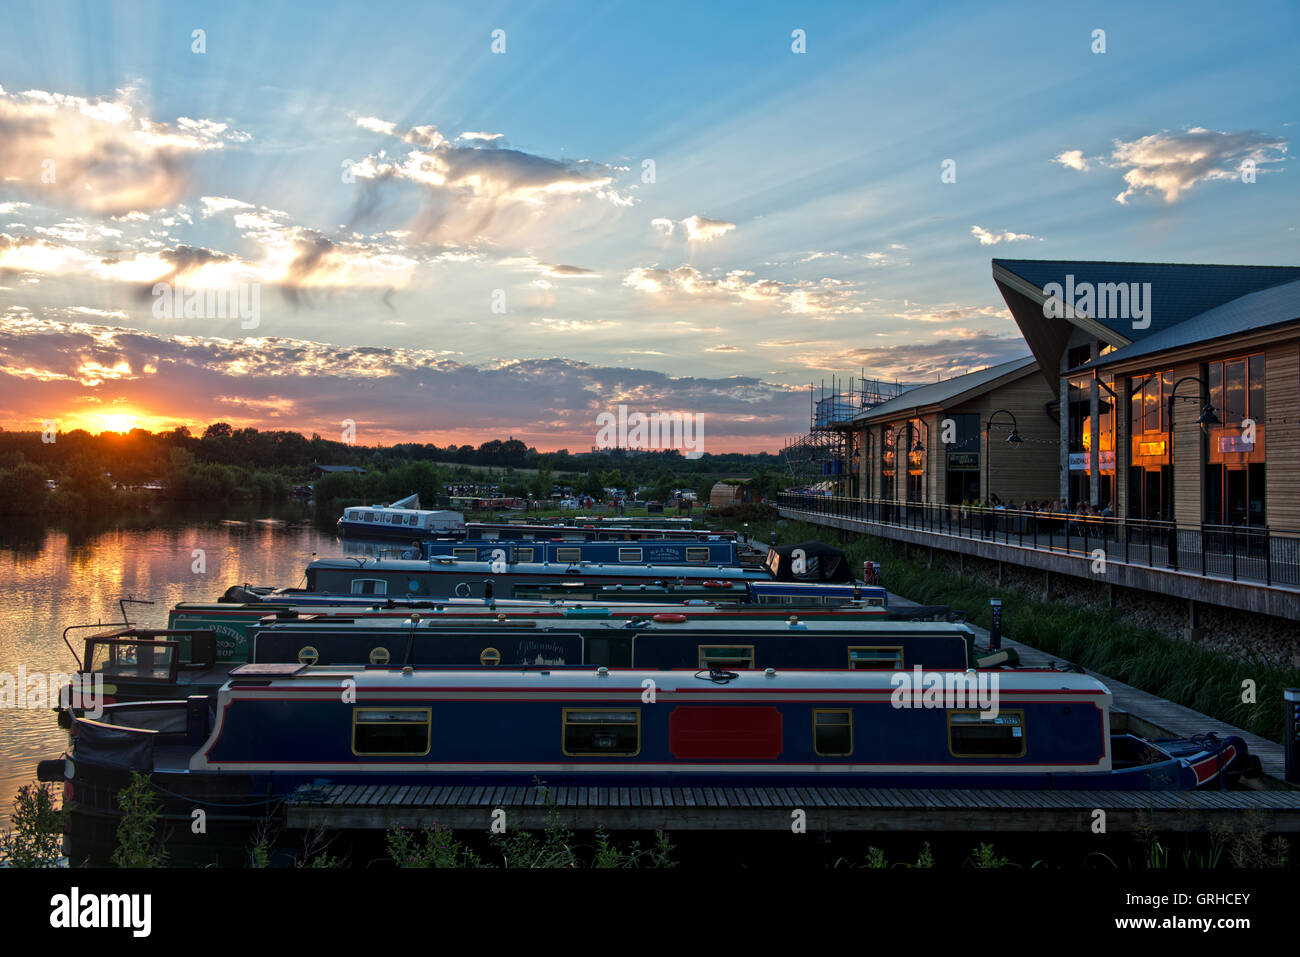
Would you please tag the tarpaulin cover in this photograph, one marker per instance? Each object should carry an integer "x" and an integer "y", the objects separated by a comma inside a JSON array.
[
  {"x": 809, "y": 562},
  {"x": 103, "y": 744}
]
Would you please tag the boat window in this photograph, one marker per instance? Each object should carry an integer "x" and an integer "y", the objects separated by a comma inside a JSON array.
[
  {"x": 369, "y": 586},
  {"x": 568, "y": 554},
  {"x": 379, "y": 656},
  {"x": 412, "y": 519},
  {"x": 370, "y": 516},
  {"x": 629, "y": 554},
  {"x": 468, "y": 553},
  {"x": 971, "y": 735},
  {"x": 524, "y": 555},
  {"x": 727, "y": 656},
  {"x": 307, "y": 655},
  {"x": 489, "y": 657},
  {"x": 832, "y": 732},
  {"x": 143, "y": 660},
  {"x": 876, "y": 658},
  {"x": 696, "y": 554},
  {"x": 604, "y": 733},
  {"x": 390, "y": 731}
]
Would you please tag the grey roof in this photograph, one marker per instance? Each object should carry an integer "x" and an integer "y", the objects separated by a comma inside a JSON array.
[
  {"x": 1257, "y": 310},
  {"x": 939, "y": 392},
  {"x": 1179, "y": 291}
]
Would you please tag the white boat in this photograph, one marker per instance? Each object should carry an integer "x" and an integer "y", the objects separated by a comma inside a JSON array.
[{"x": 403, "y": 520}]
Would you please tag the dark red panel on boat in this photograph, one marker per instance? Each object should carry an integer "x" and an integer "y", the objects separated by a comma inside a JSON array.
[{"x": 697, "y": 732}]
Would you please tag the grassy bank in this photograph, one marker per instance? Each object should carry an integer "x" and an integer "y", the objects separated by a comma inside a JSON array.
[{"x": 1098, "y": 639}]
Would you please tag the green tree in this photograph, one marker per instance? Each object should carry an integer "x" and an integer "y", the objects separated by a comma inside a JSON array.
[
  {"x": 543, "y": 484},
  {"x": 25, "y": 491},
  {"x": 37, "y": 836}
]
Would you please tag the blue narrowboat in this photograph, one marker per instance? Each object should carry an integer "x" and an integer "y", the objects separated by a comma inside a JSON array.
[
  {"x": 275, "y": 728},
  {"x": 649, "y": 551},
  {"x": 462, "y": 578},
  {"x": 489, "y": 531},
  {"x": 137, "y": 665}
]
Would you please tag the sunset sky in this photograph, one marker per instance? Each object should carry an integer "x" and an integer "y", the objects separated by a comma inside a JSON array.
[{"x": 451, "y": 244}]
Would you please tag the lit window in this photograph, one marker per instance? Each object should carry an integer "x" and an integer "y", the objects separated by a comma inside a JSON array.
[
  {"x": 629, "y": 554},
  {"x": 369, "y": 586}
]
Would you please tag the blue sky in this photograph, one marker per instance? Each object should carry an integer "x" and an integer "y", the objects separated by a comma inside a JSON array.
[{"x": 519, "y": 280}]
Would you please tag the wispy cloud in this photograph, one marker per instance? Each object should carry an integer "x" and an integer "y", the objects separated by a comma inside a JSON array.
[
  {"x": 476, "y": 191},
  {"x": 826, "y": 297},
  {"x": 992, "y": 238},
  {"x": 1170, "y": 164},
  {"x": 100, "y": 154},
  {"x": 697, "y": 229}
]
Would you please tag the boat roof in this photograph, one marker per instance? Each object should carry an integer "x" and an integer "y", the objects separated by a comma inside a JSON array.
[
  {"x": 745, "y": 626},
  {"x": 630, "y": 682},
  {"x": 651, "y": 569}
]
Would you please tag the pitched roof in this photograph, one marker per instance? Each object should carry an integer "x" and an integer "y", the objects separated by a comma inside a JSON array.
[
  {"x": 1179, "y": 291},
  {"x": 939, "y": 393},
  {"x": 1273, "y": 306}
]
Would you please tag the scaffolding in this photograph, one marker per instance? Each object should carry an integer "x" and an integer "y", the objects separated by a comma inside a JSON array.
[{"x": 825, "y": 458}]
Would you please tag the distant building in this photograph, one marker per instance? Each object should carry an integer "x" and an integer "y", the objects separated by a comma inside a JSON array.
[
  {"x": 319, "y": 470},
  {"x": 733, "y": 492}
]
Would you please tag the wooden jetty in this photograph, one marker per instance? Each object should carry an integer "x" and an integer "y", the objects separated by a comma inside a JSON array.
[{"x": 931, "y": 810}]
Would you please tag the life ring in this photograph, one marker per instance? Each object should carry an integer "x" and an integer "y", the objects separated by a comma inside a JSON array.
[{"x": 672, "y": 618}]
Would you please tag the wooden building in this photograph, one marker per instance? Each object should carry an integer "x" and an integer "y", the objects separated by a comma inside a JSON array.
[
  {"x": 1176, "y": 383},
  {"x": 966, "y": 439},
  {"x": 732, "y": 492}
]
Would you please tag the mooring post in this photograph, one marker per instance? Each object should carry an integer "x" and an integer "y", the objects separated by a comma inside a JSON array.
[{"x": 1291, "y": 735}]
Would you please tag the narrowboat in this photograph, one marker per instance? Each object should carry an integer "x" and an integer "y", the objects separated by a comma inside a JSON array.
[
  {"x": 275, "y": 729},
  {"x": 231, "y": 620},
  {"x": 462, "y": 578},
  {"x": 656, "y": 551},
  {"x": 490, "y": 531},
  {"x": 403, "y": 520},
  {"x": 130, "y": 664}
]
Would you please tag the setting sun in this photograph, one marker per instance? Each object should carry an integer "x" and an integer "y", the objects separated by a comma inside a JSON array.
[{"x": 114, "y": 420}]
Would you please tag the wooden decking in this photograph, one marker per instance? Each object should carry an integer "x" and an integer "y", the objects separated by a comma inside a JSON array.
[{"x": 773, "y": 809}]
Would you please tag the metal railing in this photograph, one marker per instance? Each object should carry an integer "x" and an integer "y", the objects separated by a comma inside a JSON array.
[{"x": 1241, "y": 553}]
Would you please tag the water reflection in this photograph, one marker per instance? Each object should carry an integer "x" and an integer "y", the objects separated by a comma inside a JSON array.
[{"x": 55, "y": 577}]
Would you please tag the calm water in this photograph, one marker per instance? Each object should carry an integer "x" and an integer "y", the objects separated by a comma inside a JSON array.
[{"x": 50, "y": 579}]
